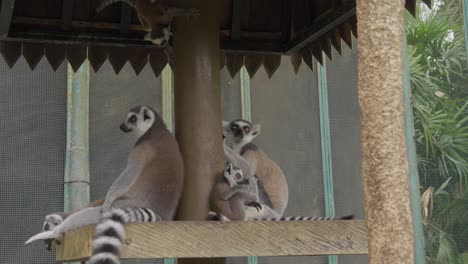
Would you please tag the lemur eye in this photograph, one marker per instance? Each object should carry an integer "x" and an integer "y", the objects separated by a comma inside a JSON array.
[
  {"x": 247, "y": 129},
  {"x": 132, "y": 119},
  {"x": 234, "y": 126},
  {"x": 238, "y": 176}
]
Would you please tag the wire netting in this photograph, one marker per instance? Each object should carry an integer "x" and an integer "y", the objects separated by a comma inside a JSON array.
[{"x": 32, "y": 156}]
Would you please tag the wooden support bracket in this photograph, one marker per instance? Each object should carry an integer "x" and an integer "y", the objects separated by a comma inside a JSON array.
[{"x": 187, "y": 239}]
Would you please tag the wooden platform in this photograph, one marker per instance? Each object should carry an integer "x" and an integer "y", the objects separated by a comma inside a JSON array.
[{"x": 223, "y": 239}]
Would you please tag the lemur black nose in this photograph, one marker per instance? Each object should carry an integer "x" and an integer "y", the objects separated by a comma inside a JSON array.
[
  {"x": 239, "y": 133},
  {"x": 124, "y": 128}
]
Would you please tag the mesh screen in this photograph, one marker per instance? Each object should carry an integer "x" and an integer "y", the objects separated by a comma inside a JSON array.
[
  {"x": 111, "y": 96},
  {"x": 287, "y": 108},
  {"x": 32, "y": 156},
  {"x": 231, "y": 96},
  {"x": 345, "y": 135}
]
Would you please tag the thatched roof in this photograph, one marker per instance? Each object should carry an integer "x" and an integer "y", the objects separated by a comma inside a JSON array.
[{"x": 253, "y": 33}]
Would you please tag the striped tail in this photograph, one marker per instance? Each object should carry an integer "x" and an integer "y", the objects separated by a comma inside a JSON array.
[
  {"x": 110, "y": 232},
  {"x": 304, "y": 218},
  {"x": 105, "y": 3}
]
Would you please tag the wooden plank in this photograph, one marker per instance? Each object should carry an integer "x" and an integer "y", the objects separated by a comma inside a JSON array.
[
  {"x": 125, "y": 18},
  {"x": 97, "y": 56},
  {"x": 33, "y": 53},
  {"x": 76, "y": 245},
  {"x": 236, "y": 22},
  {"x": 296, "y": 61},
  {"x": 67, "y": 15},
  {"x": 411, "y": 6},
  {"x": 55, "y": 54},
  {"x": 138, "y": 58},
  {"x": 5, "y": 17},
  {"x": 319, "y": 29},
  {"x": 11, "y": 52},
  {"x": 253, "y": 63},
  {"x": 76, "y": 55},
  {"x": 118, "y": 56},
  {"x": 183, "y": 239},
  {"x": 271, "y": 63},
  {"x": 234, "y": 62}
]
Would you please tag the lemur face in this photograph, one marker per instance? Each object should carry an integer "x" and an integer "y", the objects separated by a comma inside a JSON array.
[
  {"x": 139, "y": 120},
  {"x": 234, "y": 175},
  {"x": 240, "y": 132}
]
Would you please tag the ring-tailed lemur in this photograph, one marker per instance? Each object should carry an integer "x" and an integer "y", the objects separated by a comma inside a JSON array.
[
  {"x": 272, "y": 184},
  {"x": 237, "y": 181},
  {"x": 155, "y": 16},
  {"x": 153, "y": 179},
  {"x": 232, "y": 193}
]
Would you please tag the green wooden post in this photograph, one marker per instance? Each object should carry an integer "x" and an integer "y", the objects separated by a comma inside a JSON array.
[
  {"x": 247, "y": 115},
  {"x": 326, "y": 145},
  {"x": 465, "y": 19},
  {"x": 76, "y": 178},
  {"x": 168, "y": 110},
  {"x": 415, "y": 193}
]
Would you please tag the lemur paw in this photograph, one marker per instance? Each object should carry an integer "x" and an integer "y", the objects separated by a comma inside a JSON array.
[
  {"x": 255, "y": 205},
  {"x": 212, "y": 216}
]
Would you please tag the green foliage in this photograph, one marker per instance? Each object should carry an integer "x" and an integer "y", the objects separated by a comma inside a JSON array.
[{"x": 439, "y": 80}]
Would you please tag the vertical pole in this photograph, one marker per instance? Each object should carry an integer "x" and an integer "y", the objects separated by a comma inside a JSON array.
[
  {"x": 415, "y": 193},
  {"x": 245, "y": 95},
  {"x": 465, "y": 19},
  {"x": 167, "y": 98},
  {"x": 76, "y": 178},
  {"x": 384, "y": 163},
  {"x": 197, "y": 99},
  {"x": 326, "y": 146},
  {"x": 167, "y": 111},
  {"x": 246, "y": 115}
]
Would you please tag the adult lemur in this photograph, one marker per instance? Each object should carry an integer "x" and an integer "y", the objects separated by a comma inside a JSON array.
[
  {"x": 155, "y": 16},
  {"x": 272, "y": 184},
  {"x": 235, "y": 195},
  {"x": 148, "y": 189},
  {"x": 234, "y": 208}
]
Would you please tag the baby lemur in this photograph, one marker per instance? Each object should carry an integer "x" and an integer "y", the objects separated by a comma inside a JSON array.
[{"x": 232, "y": 193}]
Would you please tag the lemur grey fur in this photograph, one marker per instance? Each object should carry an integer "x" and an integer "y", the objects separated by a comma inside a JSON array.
[
  {"x": 236, "y": 180},
  {"x": 155, "y": 16},
  {"x": 53, "y": 220},
  {"x": 231, "y": 193},
  {"x": 153, "y": 178},
  {"x": 272, "y": 184}
]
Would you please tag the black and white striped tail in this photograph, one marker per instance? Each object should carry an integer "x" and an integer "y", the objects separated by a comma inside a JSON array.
[
  {"x": 105, "y": 3},
  {"x": 304, "y": 218},
  {"x": 110, "y": 232}
]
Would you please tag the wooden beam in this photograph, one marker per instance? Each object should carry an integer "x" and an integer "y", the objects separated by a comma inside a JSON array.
[
  {"x": 125, "y": 18},
  {"x": 79, "y": 24},
  {"x": 67, "y": 15},
  {"x": 235, "y": 20},
  {"x": 318, "y": 30},
  {"x": 5, "y": 17},
  {"x": 182, "y": 239}
]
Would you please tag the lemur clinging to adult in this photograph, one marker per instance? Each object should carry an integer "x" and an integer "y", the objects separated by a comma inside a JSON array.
[
  {"x": 231, "y": 193},
  {"x": 272, "y": 184},
  {"x": 238, "y": 183},
  {"x": 155, "y": 16},
  {"x": 148, "y": 189}
]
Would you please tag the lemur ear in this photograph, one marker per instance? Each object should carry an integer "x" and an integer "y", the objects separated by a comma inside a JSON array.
[
  {"x": 256, "y": 129},
  {"x": 146, "y": 113},
  {"x": 225, "y": 128}
]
